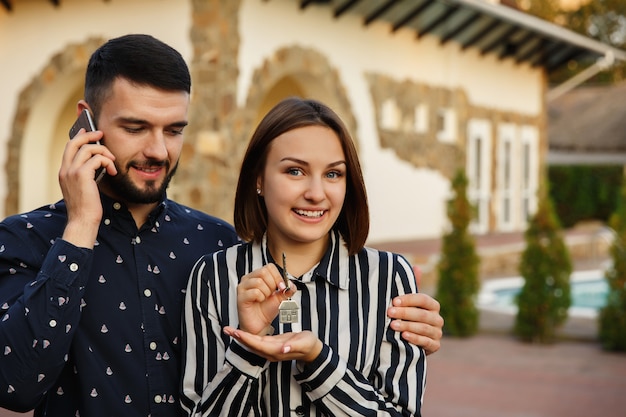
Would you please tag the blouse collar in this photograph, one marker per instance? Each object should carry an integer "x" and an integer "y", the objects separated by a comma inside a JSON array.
[{"x": 333, "y": 267}]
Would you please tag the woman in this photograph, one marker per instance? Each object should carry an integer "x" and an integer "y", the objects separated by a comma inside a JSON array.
[{"x": 300, "y": 195}]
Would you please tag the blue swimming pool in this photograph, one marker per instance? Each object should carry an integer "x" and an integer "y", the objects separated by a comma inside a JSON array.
[{"x": 589, "y": 291}]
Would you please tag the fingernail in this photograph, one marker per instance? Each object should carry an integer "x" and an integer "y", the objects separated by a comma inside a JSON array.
[
  {"x": 286, "y": 349},
  {"x": 281, "y": 286}
]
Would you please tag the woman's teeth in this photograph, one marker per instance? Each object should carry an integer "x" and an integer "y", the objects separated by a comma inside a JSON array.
[{"x": 310, "y": 213}]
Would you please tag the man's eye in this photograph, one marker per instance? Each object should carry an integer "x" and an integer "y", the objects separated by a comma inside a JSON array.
[{"x": 130, "y": 129}]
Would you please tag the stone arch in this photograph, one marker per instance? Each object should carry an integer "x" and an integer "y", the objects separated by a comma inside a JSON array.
[
  {"x": 289, "y": 71},
  {"x": 299, "y": 71},
  {"x": 45, "y": 111}
]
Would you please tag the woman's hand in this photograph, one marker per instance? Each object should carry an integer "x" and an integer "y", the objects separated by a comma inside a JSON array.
[
  {"x": 300, "y": 346},
  {"x": 259, "y": 295}
]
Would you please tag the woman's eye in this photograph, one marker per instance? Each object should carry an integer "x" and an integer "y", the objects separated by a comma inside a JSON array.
[
  {"x": 294, "y": 171},
  {"x": 334, "y": 174}
]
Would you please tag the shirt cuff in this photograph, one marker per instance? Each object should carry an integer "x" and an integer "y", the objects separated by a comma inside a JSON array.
[
  {"x": 67, "y": 264},
  {"x": 320, "y": 376},
  {"x": 247, "y": 362}
]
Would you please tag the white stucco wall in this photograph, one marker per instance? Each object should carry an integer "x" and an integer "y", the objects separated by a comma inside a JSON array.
[
  {"x": 405, "y": 202},
  {"x": 36, "y": 30}
]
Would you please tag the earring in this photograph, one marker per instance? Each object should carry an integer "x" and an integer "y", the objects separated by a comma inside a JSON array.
[{"x": 258, "y": 191}]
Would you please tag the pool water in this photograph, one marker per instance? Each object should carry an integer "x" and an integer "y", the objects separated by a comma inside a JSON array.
[{"x": 589, "y": 291}]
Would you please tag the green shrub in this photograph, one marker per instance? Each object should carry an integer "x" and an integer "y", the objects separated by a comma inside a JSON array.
[
  {"x": 546, "y": 267},
  {"x": 584, "y": 192},
  {"x": 458, "y": 281},
  {"x": 612, "y": 318}
]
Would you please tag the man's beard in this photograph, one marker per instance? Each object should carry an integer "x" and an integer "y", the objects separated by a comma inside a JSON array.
[{"x": 126, "y": 190}]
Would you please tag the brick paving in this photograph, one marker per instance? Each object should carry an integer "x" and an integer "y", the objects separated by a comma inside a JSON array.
[{"x": 493, "y": 375}]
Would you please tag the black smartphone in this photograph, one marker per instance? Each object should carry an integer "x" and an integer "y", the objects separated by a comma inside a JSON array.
[{"x": 86, "y": 121}]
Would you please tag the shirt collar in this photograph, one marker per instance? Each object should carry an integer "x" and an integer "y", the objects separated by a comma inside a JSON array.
[
  {"x": 117, "y": 213},
  {"x": 333, "y": 267}
]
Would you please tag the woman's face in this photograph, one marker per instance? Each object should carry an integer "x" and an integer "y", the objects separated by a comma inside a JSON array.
[{"x": 304, "y": 186}]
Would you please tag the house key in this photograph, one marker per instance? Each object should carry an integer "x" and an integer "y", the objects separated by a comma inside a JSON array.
[{"x": 288, "y": 309}]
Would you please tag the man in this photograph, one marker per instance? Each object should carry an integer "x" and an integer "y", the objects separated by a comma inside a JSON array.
[{"x": 91, "y": 287}]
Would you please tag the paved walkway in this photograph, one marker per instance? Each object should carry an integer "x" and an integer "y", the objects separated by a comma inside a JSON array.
[{"x": 493, "y": 375}]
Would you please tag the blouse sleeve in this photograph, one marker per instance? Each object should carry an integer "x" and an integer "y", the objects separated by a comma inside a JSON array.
[{"x": 217, "y": 374}]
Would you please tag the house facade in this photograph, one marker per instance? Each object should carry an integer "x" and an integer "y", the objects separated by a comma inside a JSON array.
[{"x": 426, "y": 87}]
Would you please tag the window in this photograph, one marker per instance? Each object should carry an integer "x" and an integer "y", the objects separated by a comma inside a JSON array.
[
  {"x": 446, "y": 125},
  {"x": 505, "y": 177},
  {"x": 478, "y": 172},
  {"x": 390, "y": 115},
  {"x": 421, "y": 118},
  {"x": 529, "y": 172}
]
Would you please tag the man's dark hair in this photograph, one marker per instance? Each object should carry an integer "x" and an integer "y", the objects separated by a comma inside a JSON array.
[{"x": 140, "y": 59}]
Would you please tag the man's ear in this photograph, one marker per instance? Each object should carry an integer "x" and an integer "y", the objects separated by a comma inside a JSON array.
[{"x": 82, "y": 105}]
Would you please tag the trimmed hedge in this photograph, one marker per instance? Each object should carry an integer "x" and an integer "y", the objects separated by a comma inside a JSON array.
[
  {"x": 584, "y": 192},
  {"x": 458, "y": 282}
]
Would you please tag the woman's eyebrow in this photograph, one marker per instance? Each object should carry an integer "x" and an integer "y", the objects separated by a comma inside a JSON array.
[{"x": 300, "y": 161}]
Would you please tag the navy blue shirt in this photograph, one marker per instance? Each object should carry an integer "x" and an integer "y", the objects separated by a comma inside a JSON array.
[{"x": 97, "y": 332}]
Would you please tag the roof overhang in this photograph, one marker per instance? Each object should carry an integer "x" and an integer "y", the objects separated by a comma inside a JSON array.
[
  {"x": 555, "y": 158},
  {"x": 491, "y": 28}
]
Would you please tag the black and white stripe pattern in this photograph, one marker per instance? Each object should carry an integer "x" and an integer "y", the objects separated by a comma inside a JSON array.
[{"x": 365, "y": 367}]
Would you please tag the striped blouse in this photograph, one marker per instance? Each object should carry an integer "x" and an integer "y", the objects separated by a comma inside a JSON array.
[{"x": 365, "y": 367}]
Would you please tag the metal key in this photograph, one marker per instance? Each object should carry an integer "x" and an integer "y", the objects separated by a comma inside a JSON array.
[{"x": 288, "y": 309}]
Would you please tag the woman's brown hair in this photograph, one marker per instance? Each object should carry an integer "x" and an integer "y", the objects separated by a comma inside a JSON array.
[{"x": 250, "y": 216}]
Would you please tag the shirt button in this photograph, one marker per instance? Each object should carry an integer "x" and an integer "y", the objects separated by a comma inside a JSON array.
[
  {"x": 52, "y": 323},
  {"x": 299, "y": 410},
  {"x": 73, "y": 267},
  {"x": 137, "y": 239},
  {"x": 147, "y": 292},
  {"x": 158, "y": 399},
  {"x": 153, "y": 345},
  {"x": 117, "y": 206},
  {"x": 107, "y": 221}
]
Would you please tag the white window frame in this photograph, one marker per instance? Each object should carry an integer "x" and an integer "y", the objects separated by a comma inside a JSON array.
[
  {"x": 448, "y": 132},
  {"x": 506, "y": 178},
  {"x": 390, "y": 115},
  {"x": 478, "y": 168},
  {"x": 421, "y": 118},
  {"x": 529, "y": 172}
]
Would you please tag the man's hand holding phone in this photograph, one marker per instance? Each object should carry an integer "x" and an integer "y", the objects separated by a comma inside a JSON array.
[
  {"x": 85, "y": 121},
  {"x": 83, "y": 157}
]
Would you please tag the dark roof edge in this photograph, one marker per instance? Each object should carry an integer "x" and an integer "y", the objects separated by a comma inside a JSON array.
[
  {"x": 500, "y": 11},
  {"x": 590, "y": 158}
]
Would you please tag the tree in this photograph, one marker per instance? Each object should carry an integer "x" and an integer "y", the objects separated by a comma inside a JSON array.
[
  {"x": 458, "y": 267},
  {"x": 546, "y": 267},
  {"x": 612, "y": 318},
  {"x": 603, "y": 20}
]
